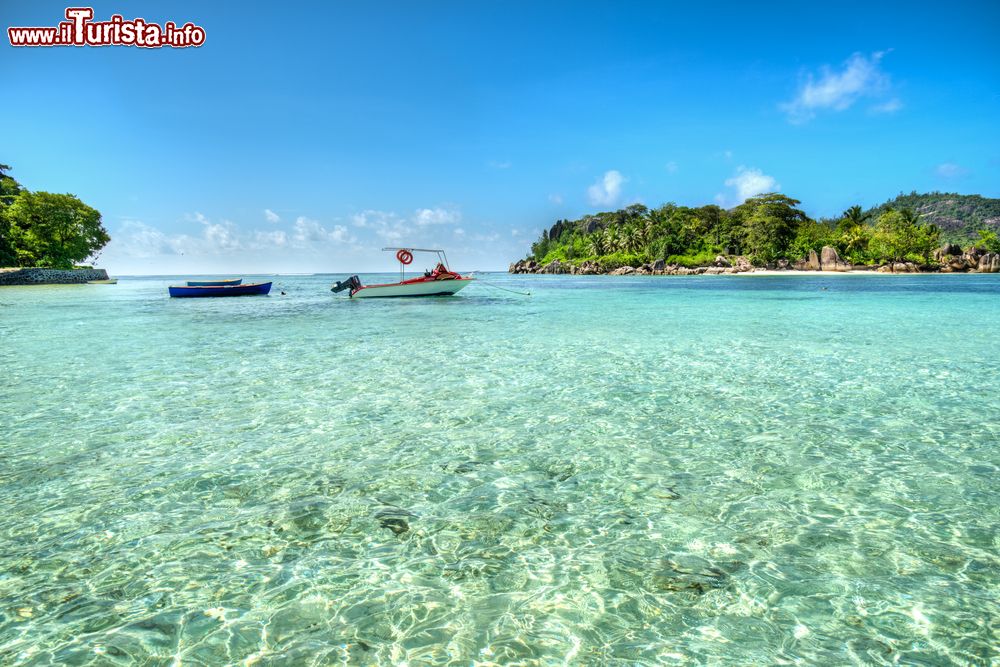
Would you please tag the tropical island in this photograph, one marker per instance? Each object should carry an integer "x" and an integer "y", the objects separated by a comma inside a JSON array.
[
  {"x": 44, "y": 236},
  {"x": 935, "y": 232}
]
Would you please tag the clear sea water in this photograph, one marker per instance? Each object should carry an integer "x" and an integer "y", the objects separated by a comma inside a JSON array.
[{"x": 612, "y": 471}]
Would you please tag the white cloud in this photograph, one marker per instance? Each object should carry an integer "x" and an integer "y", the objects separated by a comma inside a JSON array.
[
  {"x": 860, "y": 76},
  {"x": 385, "y": 224},
  {"x": 225, "y": 238},
  {"x": 270, "y": 239},
  {"x": 607, "y": 189},
  {"x": 223, "y": 243},
  {"x": 221, "y": 237},
  {"x": 271, "y": 216},
  {"x": 746, "y": 183},
  {"x": 436, "y": 216},
  {"x": 311, "y": 232},
  {"x": 216, "y": 238},
  {"x": 391, "y": 227},
  {"x": 950, "y": 170},
  {"x": 555, "y": 199},
  {"x": 671, "y": 167},
  {"x": 367, "y": 218},
  {"x": 137, "y": 239}
]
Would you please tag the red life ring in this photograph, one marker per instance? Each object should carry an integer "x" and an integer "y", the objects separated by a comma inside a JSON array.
[{"x": 404, "y": 256}]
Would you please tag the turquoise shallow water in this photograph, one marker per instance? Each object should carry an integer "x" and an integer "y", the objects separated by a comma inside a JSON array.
[{"x": 620, "y": 471}]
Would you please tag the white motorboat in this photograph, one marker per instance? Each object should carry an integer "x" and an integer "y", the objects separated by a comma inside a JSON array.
[{"x": 440, "y": 281}]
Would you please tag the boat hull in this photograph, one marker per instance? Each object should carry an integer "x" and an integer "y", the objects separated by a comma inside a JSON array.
[
  {"x": 214, "y": 283},
  {"x": 225, "y": 290},
  {"x": 424, "y": 288}
]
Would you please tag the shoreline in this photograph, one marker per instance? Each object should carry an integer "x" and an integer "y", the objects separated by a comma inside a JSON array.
[
  {"x": 763, "y": 273},
  {"x": 857, "y": 272},
  {"x": 19, "y": 277},
  {"x": 947, "y": 259},
  {"x": 715, "y": 271}
]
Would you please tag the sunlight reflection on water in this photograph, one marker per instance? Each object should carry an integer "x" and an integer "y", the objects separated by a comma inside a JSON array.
[{"x": 612, "y": 471}]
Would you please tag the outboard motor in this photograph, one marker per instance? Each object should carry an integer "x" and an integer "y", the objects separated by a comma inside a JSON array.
[{"x": 351, "y": 283}]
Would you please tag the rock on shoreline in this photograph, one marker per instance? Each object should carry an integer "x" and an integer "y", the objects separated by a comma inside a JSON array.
[
  {"x": 950, "y": 259},
  {"x": 953, "y": 260},
  {"x": 32, "y": 276}
]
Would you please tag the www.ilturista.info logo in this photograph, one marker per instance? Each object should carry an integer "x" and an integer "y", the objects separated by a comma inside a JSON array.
[{"x": 80, "y": 30}]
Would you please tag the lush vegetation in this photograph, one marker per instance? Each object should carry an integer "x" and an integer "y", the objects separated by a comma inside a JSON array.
[
  {"x": 765, "y": 228},
  {"x": 959, "y": 217},
  {"x": 988, "y": 240},
  {"x": 45, "y": 229}
]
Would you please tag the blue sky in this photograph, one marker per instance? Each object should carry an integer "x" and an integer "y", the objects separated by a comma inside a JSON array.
[{"x": 305, "y": 136}]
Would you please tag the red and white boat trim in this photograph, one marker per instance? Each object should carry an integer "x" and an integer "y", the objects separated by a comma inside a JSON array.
[
  {"x": 442, "y": 281},
  {"x": 424, "y": 286}
]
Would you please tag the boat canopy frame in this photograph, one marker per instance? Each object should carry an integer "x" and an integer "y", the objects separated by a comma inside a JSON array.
[{"x": 442, "y": 257}]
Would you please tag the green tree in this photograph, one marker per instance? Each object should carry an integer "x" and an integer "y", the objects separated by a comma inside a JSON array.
[
  {"x": 811, "y": 236},
  {"x": 851, "y": 218},
  {"x": 928, "y": 238},
  {"x": 54, "y": 230},
  {"x": 9, "y": 189},
  {"x": 855, "y": 215},
  {"x": 895, "y": 236},
  {"x": 768, "y": 227},
  {"x": 710, "y": 224},
  {"x": 770, "y": 223},
  {"x": 633, "y": 212},
  {"x": 632, "y": 241},
  {"x": 909, "y": 215},
  {"x": 540, "y": 248},
  {"x": 854, "y": 243},
  {"x": 612, "y": 238},
  {"x": 596, "y": 244},
  {"x": 988, "y": 241},
  {"x": 959, "y": 216}
]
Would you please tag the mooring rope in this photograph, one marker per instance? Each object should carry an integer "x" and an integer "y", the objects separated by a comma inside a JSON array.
[{"x": 505, "y": 289}]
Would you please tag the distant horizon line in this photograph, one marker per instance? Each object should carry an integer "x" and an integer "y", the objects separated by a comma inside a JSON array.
[{"x": 267, "y": 273}]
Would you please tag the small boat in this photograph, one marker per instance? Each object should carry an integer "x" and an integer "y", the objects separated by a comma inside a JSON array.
[
  {"x": 220, "y": 290},
  {"x": 108, "y": 281},
  {"x": 440, "y": 281},
  {"x": 214, "y": 283}
]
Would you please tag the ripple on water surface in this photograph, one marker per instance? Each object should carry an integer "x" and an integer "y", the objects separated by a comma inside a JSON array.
[{"x": 614, "y": 471}]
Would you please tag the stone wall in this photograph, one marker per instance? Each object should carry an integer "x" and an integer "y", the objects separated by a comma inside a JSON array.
[{"x": 50, "y": 276}]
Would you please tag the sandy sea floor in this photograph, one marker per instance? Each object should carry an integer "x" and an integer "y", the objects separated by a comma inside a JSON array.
[{"x": 613, "y": 471}]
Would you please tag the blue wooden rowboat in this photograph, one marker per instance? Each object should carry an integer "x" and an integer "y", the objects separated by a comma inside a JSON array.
[
  {"x": 223, "y": 290},
  {"x": 214, "y": 283}
]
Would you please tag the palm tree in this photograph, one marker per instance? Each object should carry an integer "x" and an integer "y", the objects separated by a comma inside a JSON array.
[
  {"x": 648, "y": 228},
  {"x": 851, "y": 218},
  {"x": 910, "y": 216},
  {"x": 611, "y": 237},
  {"x": 855, "y": 215},
  {"x": 596, "y": 243},
  {"x": 631, "y": 238},
  {"x": 855, "y": 242}
]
